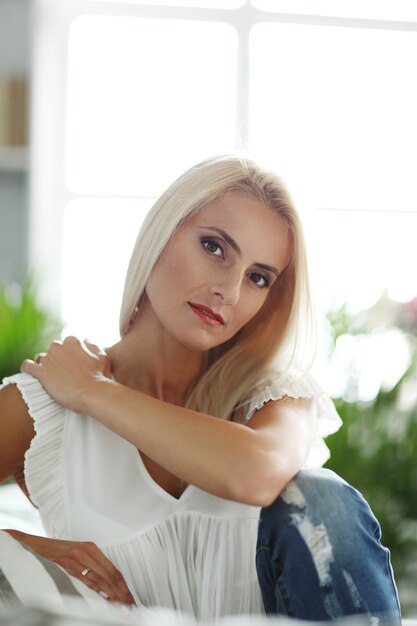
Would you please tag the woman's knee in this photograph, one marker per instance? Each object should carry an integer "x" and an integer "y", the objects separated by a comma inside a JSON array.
[
  {"x": 317, "y": 498},
  {"x": 323, "y": 523}
]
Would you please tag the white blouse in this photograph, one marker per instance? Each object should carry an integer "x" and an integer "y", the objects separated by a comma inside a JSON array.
[{"x": 195, "y": 553}]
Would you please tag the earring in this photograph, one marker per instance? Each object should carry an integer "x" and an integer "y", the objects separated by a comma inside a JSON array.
[{"x": 134, "y": 315}]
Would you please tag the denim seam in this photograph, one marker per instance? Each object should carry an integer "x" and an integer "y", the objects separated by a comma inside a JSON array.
[
  {"x": 278, "y": 585},
  {"x": 388, "y": 567}
]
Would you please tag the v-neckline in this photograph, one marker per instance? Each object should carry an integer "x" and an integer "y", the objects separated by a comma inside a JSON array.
[{"x": 152, "y": 482}]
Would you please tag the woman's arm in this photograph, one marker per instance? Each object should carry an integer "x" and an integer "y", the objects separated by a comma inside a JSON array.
[
  {"x": 250, "y": 465},
  {"x": 16, "y": 431},
  {"x": 247, "y": 464},
  {"x": 16, "y": 434},
  {"x": 77, "y": 556}
]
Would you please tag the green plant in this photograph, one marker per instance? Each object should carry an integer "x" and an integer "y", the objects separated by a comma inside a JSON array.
[
  {"x": 376, "y": 450},
  {"x": 25, "y": 327}
]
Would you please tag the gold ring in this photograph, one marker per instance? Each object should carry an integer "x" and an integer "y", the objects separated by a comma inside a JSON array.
[{"x": 86, "y": 571}]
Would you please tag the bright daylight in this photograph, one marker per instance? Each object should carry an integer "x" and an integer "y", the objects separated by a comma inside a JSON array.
[{"x": 220, "y": 196}]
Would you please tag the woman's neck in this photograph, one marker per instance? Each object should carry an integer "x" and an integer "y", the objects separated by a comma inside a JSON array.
[{"x": 155, "y": 365}]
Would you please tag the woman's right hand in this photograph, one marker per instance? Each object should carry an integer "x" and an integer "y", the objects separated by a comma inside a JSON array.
[
  {"x": 77, "y": 556},
  {"x": 68, "y": 370}
]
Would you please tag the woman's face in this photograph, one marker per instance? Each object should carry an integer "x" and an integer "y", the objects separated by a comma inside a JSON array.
[{"x": 216, "y": 272}]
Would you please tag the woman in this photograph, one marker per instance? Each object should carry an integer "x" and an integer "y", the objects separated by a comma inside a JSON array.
[{"x": 179, "y": 455}]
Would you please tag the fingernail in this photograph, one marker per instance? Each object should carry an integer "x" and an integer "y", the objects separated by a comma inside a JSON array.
[{"x": 104, "y": 595}]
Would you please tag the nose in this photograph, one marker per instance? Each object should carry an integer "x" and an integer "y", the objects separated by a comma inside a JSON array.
[{"x": 228, "y": 291}]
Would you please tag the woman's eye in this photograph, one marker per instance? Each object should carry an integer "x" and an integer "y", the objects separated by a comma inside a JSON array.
[
  {"x": 260, "y": 280},
  {"x": 212, "y": 247}
]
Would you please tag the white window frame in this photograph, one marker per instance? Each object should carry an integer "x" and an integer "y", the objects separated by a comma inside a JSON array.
[{"x": 51, "y": 23}]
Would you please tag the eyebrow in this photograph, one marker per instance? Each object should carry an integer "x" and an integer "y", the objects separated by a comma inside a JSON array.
[{"x": 232, "y": 243}]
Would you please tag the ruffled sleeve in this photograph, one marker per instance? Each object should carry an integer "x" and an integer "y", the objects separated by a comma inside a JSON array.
[
  {"x": 43, "y": 466},
  {"x": 294, "y": 386}
]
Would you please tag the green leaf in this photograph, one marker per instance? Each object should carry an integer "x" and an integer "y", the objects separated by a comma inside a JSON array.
[{"x": 25, "y": 327}]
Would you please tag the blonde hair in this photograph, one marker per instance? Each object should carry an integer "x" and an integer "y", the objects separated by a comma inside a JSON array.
[{"x": 281, "y": 334}]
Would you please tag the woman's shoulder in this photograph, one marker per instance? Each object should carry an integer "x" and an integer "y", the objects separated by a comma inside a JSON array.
[
  {"x": 16, "y": 430},
  {"x": 26, "y": 402},
  {"x": 29, "y": 393},
  {"x": 11, "y": 398},
  {"x": 276, "y": 385},
  {"x": 294, "y": 383}
]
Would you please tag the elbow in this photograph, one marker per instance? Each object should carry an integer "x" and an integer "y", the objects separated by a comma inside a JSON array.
[{"x": 262, "y": 485}]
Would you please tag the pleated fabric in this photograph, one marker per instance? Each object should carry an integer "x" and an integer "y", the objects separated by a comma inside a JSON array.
[{"x": 195, "y": 554}]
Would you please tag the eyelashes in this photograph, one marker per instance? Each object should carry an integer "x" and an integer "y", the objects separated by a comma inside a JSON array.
[
  {"x": 208, "y": 242},
  {"x": 266, "y": 282},
  {"x": 211, "y": 246}
]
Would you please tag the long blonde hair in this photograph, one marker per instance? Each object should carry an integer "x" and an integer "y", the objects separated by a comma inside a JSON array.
[{"x": 281, "y": 334}]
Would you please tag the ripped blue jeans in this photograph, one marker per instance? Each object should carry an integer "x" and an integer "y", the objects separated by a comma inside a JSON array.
[{"x": 319, "y": 555}]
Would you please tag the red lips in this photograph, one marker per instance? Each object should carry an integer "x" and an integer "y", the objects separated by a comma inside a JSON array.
[{"x": 208, "y": 311}]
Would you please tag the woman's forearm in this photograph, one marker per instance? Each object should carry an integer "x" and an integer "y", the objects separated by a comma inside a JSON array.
[
  {"x": 77, "y": 558},
  {"x": 248, "y": 464},
  {"x": 224, "y": 458}
]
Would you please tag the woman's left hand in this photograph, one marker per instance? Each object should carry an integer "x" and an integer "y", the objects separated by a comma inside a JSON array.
[{"x": 68, "y": 370}]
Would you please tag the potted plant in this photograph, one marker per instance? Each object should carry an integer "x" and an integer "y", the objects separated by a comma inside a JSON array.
[{"x": 25, "y": 327}]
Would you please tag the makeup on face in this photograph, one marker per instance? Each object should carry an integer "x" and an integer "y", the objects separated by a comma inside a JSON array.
[
  {"x": 269, "y": 272},
  {"x": 216, "y": 271},
  {"x": 206, "y": 314}
]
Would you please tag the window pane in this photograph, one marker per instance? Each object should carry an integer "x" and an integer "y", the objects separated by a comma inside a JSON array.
[
  {"x": 367, "y": 9},
  {"x": 99, "y": 235},
  {"x": 333, "y": 109},
  {"x": 146, "y": 99},
  {"x": 356, "y": 256}
]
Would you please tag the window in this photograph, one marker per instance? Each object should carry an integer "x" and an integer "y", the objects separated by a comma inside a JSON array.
[
  {"x": 160, "y": 98},
  {"x": 127, "y": 94},
  {"x": 400, "y": 10},
  {"x": 336, "y": 118}
]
